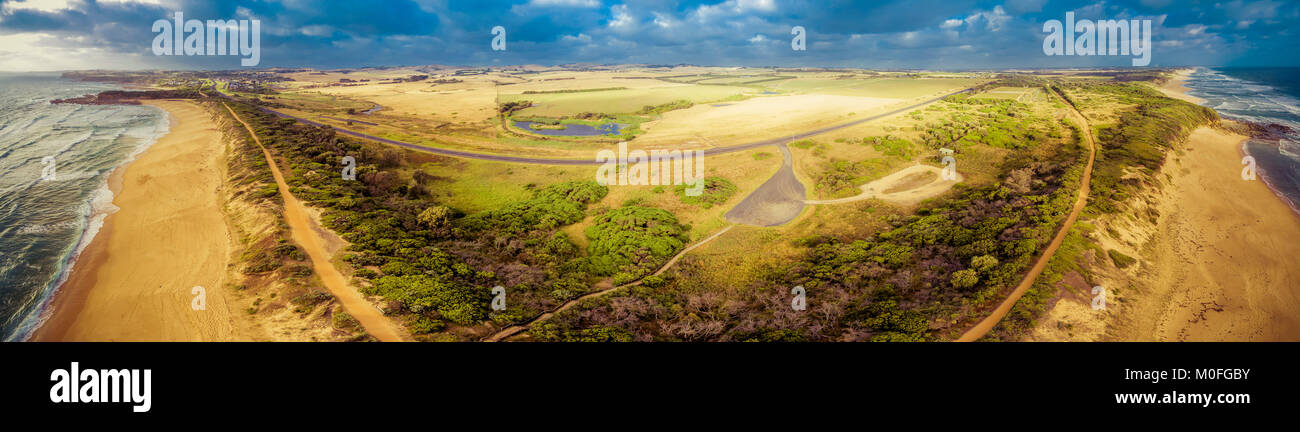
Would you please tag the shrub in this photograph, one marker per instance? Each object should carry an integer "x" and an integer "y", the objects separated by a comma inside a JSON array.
[{"x": 1120, "y": 260}]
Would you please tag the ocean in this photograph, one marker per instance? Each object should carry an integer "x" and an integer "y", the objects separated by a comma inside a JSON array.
[
  {"x": 1261, "y": 95},
  {"x": 47, "y": 216}
]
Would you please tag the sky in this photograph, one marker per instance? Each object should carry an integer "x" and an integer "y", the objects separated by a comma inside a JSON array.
[{"x": 39, "y": 35}]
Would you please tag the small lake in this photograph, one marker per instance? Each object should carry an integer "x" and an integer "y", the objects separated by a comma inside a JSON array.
[{"x": 574, "y": 129}]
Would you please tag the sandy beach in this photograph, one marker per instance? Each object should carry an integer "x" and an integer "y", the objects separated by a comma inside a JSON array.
[
  {"x": 134, "y": 282},
  {"x": 1176, "y": 87},
  {"x": 1223, "y": 267}
]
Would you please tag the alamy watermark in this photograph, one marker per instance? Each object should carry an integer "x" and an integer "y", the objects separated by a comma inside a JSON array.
[
  {"x": 349, "y": 168},
  {"x": 949, "y": 171},
  {"x": 498, "y": 38},
  {"x": 1248, "y": 172},
  {"x": 1103, "y": 37},
  {"x": 800, "y": 40},
  {"x": 50, "y": 172},
  {"x": 1098, "y": 298},
  {"x": 656, "y": 167},
  {"x": 211, "y": 37}
]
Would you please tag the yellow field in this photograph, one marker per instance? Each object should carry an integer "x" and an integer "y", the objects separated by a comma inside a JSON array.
[
  {"x": 756, "y": 119},
  {"x": 620, "y": 101},
  {"x": 899, "y": 88}
]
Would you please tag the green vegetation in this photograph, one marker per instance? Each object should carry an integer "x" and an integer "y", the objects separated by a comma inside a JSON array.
[
  {"x": 663, "y": 108},
  {"x": 994, "y": 122},
  {"x": 1139, "y": 140},
  {"x": 922, "y": 274},
  {"x": 435, "y": 265},
  {"x": 717, "y": 190},
  {"x": 631, "y": 242},
  {"x": 631, "y": 129}
]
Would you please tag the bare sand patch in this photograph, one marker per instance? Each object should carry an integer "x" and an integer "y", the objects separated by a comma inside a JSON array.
[{"x": 909, "y": 185}]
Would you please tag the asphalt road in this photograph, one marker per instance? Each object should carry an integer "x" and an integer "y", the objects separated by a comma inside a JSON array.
[{"x": 592, "y": 161}]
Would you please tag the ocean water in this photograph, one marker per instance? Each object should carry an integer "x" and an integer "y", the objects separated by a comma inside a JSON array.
[
  {"x": 1261, "y": 95},
  {"x": 47, "y": 218}
]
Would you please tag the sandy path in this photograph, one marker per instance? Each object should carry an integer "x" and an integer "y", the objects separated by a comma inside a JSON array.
[
  {"x": 134, "y": 282},
  {"x": 985, "y": 325},
  {"x": 305, "y": 234},
  {"x": 877, "y": 188},
  {"x": 1225, "y": 255},
  {"x": 516, "y": 329}
]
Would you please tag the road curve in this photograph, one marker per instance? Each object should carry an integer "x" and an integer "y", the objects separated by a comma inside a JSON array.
[
  {"x": 593, "y": 161},
  {"x": 986, "y": 325}
]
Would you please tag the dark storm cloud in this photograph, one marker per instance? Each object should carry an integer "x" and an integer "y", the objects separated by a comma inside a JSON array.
[{"x": 893, "y": 34}]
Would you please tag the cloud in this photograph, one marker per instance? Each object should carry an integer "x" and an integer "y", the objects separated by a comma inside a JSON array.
[
  {"x": 887, "y": 33},
  {"x": 565, "y": 3}
]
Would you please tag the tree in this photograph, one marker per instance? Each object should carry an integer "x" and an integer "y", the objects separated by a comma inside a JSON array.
[
  {"x": 964, "y": 278},
  {"x": 983, "y": 262},
  {"x": 435, "y": 218}
]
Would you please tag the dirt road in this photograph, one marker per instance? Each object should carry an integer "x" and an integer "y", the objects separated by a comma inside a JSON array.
[
  {"x": 984, "y": 326},
  {"x": 301, "y": 226}
]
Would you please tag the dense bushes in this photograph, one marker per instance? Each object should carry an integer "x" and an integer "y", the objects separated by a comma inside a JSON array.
[
  {"x": 551, "y": 207},
  {"x": 424, "y": 258},
  {"x": 419, "y": 293},
  {"x": 630, "y": 242}
]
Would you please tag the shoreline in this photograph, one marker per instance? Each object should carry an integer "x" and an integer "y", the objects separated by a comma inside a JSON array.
[
  {"x": 1177, "y": 88},
  {"x": 1220, "y": 267},
  {"x": 1213, "y": 266},
  {"x": 169, "y": 221}
]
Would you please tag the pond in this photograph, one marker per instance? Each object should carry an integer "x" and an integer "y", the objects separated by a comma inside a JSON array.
[{"x": 574, "y": 129}]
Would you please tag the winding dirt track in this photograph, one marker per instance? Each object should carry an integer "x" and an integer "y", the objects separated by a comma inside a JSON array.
[
  {"x": 515, "y": 329},
  {"x": 300, "y": 225},
  {"x": 984, "y": 326}
]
